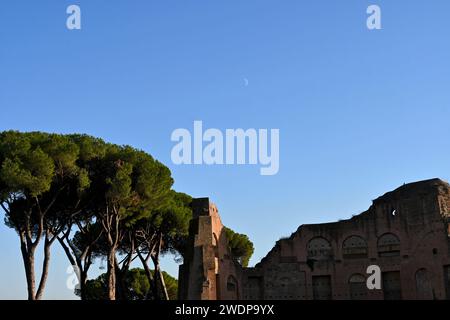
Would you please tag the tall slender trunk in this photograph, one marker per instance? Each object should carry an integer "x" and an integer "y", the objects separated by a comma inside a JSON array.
[
  {"x": 163, "y": 285},
  {"x": 31, "y": 278},
  {"x": 121, "y": 286},
  {"x": 45, "y": 267},
  {"x": 28, "y": 262},
  {"x": 160, "y": 284},
  {"x": 148, "y": 273},
  {"x": 159, "y": 278},
  {"x": 83, "y": 280},
  {"x": 111, "y": 285}
]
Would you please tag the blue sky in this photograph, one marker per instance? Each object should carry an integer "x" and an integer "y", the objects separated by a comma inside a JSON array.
[{"x": 360, "y": 112}]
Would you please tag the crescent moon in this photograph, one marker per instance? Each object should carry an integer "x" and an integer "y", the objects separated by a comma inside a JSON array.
[{"x": 245, "y": 82}]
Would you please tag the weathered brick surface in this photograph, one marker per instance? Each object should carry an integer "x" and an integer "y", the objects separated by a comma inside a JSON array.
[
  {"x": 208, "y": 272},
  {"x": 405, "y": 232}
]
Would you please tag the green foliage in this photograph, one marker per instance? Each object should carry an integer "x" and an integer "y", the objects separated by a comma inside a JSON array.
[
  {"x": 41, "y": 189},
  {"x": 137, "y": 286},
  {"x": 132, "y": 183},
  {"x": 171, "y": 221},
  {"x": 119, "y": 190},
  {"x": 90, "y": 147},
  {"x": 95, "y": 289},
  {"x": 40, "y": 178},
  {"x": 32, "y": 162},
  {"x": 25, "y": 167},
  {"x": 174, "y": 216},
  {"x": 90, "y": 237},
  {"x": 51, "y": 183},
  {"x": 240, "y": 246}
]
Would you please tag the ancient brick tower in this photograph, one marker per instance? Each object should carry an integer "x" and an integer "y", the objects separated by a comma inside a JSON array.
[
  {"x": 208, "y": 272},
  {"x": 405, "y": 232}
]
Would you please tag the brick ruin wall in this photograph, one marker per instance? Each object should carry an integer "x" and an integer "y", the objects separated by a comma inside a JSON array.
[{"x": 405, "y": 232}]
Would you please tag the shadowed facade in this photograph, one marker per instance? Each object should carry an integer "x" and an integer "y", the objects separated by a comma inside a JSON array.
[{"x": 405, "y": 232}]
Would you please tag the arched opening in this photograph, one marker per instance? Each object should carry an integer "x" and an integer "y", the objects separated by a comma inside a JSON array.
[
  {"x": 216, "y": 245},
  {"x": 388, "y": 245},
  {"x": 319, "y": 249},
  {"x": 232, "y": 288},
  {"x": 216, "y": 252},
  {"x": 354, "y": 247},
  {"x": 358, "y": 287}
]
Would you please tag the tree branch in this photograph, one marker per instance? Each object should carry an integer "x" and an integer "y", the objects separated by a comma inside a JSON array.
[{"x": 4, "y": 208}]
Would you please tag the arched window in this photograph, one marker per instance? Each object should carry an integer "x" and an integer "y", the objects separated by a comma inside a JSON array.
[
  {"x": 319, "y": 248},
  {"x": 358, "y": 287},
  {"x": 354, "y": 247},
  {"x": 231, "y": 283},
  {"x": 232, "y": 288},
  {"x": 357, "y": 278},
  {"x": 388, "y": 245},
  {"x": 216, "y": 245}
]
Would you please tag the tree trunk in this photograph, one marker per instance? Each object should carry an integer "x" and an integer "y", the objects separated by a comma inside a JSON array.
[
  {"x": 45, "y": 268},
  {"x": 160, "y": 284},
  {"x": 156, "y": 282},
  {"x": 29, "y": 272},
  {"x": 148, "y": 273},
  {"x": 28, "y": 262},
  {"x": 111, "y": 285},
  {"x": 163, "y": 285},
  {"x": 121, "y": 287},
  {"x": 83, "y": 280},
  {"x": 159, "y": 279}
]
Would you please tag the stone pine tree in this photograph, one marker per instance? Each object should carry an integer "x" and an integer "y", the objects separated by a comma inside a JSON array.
[
  {"x": 131, "y": 185},
  {"x": 38, "y": 172},
  {"x": 159, "y": 233},
  {"x": 80, "y": 238},
  {"x": 88, "y": 195},
  {"x": 241, "y": 248}
]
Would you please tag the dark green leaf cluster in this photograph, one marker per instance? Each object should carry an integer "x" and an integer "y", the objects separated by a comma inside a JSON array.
[
  {"x": 240, "y": 246},
  {"x": 137, "y": 286}
]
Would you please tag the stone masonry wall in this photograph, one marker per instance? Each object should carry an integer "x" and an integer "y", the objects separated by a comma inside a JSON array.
[{"x": 405, "y": 232}]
